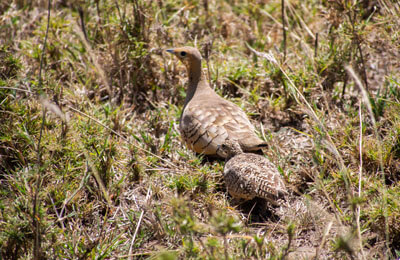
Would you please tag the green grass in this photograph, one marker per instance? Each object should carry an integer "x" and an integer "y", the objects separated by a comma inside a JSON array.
[{"x": 112, "y": 166}]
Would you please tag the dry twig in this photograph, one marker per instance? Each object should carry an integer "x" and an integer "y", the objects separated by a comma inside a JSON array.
[
  {"x": 37, "y": 251},
  {"x": 367, "y": 102},
  {"x": 138, "y": 225},
  {"x": 358, "y": 210}
]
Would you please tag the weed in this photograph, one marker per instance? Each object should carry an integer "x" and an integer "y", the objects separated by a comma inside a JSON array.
[{"x": 104, "y": 70}]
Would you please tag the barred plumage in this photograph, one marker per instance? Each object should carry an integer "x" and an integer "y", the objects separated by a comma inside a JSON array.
[{"x": 250, "y": 175}]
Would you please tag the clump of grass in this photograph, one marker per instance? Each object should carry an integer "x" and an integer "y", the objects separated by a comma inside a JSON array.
[{"x": 118, "y": 182}]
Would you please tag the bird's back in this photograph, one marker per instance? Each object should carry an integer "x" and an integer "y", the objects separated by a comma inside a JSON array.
[
  {"x": 250, "y": 175},
  {"x": 208, "y": 120}
]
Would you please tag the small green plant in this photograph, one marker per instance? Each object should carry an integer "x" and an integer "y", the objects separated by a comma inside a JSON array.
[
  {"x": 116, "y": 151},
  {"x": 378, "y": 103},
  {"x": 187, "y": 226}
]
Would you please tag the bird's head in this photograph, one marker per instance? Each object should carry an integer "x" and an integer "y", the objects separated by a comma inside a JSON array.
[
  {"x": 231, "y": 148},
  {"x": 187, "y": 55}
]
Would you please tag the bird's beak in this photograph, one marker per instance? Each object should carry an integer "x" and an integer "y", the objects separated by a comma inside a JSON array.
[{"x": 170, "y": 51}]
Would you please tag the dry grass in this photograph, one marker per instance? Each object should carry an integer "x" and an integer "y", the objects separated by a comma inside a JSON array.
[{"x": 115, "y": 180}]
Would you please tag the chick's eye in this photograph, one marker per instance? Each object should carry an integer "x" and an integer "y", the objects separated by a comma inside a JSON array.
[{"x": 183, "y": 53}]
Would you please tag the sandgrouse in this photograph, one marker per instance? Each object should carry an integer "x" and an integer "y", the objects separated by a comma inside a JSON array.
[
  {"x": 207, "y": 119},
  {"x": 249, "y": 175}
]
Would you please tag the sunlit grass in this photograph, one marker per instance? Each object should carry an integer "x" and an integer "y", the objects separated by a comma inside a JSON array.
[{"x": 118, "y": 182}]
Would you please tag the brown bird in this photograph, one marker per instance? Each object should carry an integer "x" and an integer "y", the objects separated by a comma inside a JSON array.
[
  {"x": 207, "y": 119},
  {"x": 249, "y": 175}
]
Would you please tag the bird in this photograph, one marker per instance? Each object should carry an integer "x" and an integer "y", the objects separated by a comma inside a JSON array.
[
  {"x": 249, "y": 175},
  {"x": 207, "y": 119}
]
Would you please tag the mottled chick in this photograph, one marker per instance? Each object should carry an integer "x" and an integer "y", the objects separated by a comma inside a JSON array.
[{"x": 249, "y": 175}]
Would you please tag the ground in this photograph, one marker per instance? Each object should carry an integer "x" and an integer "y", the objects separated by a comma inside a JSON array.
[{"x": 91, "y": 162}]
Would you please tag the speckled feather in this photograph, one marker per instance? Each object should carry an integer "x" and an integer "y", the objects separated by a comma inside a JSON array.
[{"x": 250, "y": 175}]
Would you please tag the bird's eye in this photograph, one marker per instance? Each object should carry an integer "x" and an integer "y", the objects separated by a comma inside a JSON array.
[{"x": 183, "y": 53}]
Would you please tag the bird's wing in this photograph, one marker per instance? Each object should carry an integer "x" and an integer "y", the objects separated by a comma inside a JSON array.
[{"x": 205, "y": 124}]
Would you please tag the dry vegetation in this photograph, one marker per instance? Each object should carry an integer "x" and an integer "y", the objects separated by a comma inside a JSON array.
[{"x": 91, "y": 165}]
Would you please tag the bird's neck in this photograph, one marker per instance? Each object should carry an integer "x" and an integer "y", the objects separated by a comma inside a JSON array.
[
  {"x": 232, "y": 154},
  {"x": 229, "y": 156},
  {"x": 197, "y": 81}
]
